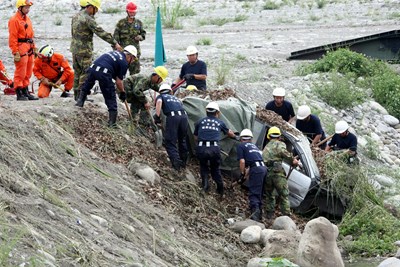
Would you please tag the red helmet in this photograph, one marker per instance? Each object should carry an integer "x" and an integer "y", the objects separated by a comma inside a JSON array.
[{"x": 131, "y": 7}]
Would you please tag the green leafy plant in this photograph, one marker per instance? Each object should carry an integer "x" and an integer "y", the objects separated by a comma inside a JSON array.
[
  {"x": 170, "y": 13},
  {"x": 371, "y": 149},
  {"x": 279, "y": 262},
  {"x": 321, "y": 3},
  {"x": 270, "y": 5},
  {"x": 239, "y": 18},
  {"x": 377, "y": 75},
  {"x": 223, "y": 69},
  {"x": 214, "y": 21},
  {"x": 339, "y": 92},
  {"x": 58, "y": 21},
  {"x": 112, "y": 10},
  {"x": 204, "y": 41}
]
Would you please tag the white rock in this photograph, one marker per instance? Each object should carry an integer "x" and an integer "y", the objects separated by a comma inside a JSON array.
[
  {"x": 382, "y": 128},
  {"x": 99, "y": 220},
  {"x": 389, "y": 119},
  {"x": 284, "y": 223},
  {"x": 318, "y": 247},
  {"x": 376, "y": 106},
  {"x": 251, "y": 234},
  {"x": 390, "y": 262},
  {"x": 258, "y": 262},
  {"x": 375, "y": 184},
  {"x": 145, "y": 172},
  {"x": 265, "y": 235},
  {"x": 362, "y": 141},
  {"x": 239, "y": 226},
  {"x": 375, "y": 137},
  {"x": 397, "y": 243},
  {"x": 190, "y": 177}
]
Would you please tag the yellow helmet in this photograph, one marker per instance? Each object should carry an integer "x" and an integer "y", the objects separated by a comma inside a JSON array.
[
  {"x": 21, "y": 3},
  {"x": 95, "y": 3},
  {"x": 161, "y": 71},
  {"x": 191, "y": 87},
  {"x": 83, "y": 3},
  {"x": 273, "y": 132}
]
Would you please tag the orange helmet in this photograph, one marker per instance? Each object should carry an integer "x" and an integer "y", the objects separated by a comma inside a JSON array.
[{"x": 131, "y": 7}]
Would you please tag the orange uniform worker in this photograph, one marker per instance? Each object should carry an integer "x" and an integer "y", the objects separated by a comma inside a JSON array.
[
  {"x": 4, "y": 79},
  {"x": 22, "y": 46},
  {"x": 52, "y": 69}
]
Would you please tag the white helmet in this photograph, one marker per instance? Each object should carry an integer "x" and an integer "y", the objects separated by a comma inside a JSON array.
[
  {"x": 341, "y": 127},
  {"x": 246, "y": 133},
  {"x": 191, "y": 50},
  {"x": 131, "y": 50},
  {"x": 279, "y": 92},
  {"x": 303, "y": 112},
  {"x": 46, "y": 51},
  {"x": 164, "y": 88},
  {"x": 212, "y": 106}
]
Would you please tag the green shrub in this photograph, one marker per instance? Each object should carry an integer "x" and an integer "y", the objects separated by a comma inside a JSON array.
[
  {"x": 186, "y": 12},
  {"x": 374, "y": 229},
  {"x": 112, "y": 10},
  {"x": 239, "y": 18},
  {"x": 377, "y": 75},
  {"x": 371, "y": 149},
  {"x": 339, "y": 92},
  {"x": 321, "y": 3},
  {"x": 58, "y": 21},
  {"x": 386, "y": 91},
  {"x": 223, "y": 69},
  {"x": 343, "y": 61},
  {"x": 270, "y": 5},
  {"x": 214, "y": 21},
  {"x": 204, "y": 41},
  {"x": 170, "y": 13}
]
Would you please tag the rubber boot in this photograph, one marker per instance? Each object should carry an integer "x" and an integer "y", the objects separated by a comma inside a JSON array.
[
  {"x": 28, "y": 95},
  {"x": 65, "y": 94},
  {"x": 176, "y": 164},
  {"x": 112, "y": 118},
  {"x": 184, "y": 159},
  {"x": 204, "y": 184},
  {"x": 20, "y": 95},
  {"x": 255, "y": 214},
  {"x": 220, "y": 189},
  {"x": 81, "y": 99}
]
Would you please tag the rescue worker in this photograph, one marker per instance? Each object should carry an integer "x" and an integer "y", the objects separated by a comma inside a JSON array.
[
  {"x": 136, "y": 85},
  {"x": 274, "y": 153},
  {"x": 250, "y": 157},
  {"x": 22, "y": 45},
  {"x": 194, "y": 71},
  {"x": 108, "y": 67},
  {"x": 207, "y": 135},
  {"x": 176, "y": 126},
  {"x": 53, "y": 70},
  {"x": 7, "y": 81},
  {"x": 281, "y": 106},
  {"x": 310, "y": 125},
  {"x": 83, "y": 26},
  {"x": 130, "y": 31},
  {"x": 344, "y": 140}
]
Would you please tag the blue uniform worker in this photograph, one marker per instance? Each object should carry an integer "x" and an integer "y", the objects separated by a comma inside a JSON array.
[
  {"x": 343, "y": 139},
  {"x": 310, "y": 125},
  {"x": 280, "y": 106},
  {"x": 207, "y": 134},
  {"x": 194, "y": 71},
  {"x": 175, "y": 127},
  {"x": 250, "y": 156},
  {"x": 109, "y": 66}
]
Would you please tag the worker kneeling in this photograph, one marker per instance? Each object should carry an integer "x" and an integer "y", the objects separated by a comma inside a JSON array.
[
  {"x": 273, "y": 154},
  {"x": 53, "y": 70}
]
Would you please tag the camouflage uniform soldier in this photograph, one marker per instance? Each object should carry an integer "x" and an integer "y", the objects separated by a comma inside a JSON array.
[
  {"x": 136, "y": 85},
  {"x": 83, "y": 26},
  {"x": 273, "y": 154},
  {"x": 129, "y": 31}
]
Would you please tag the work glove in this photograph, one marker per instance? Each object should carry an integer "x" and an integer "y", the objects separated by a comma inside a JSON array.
[
  {"x": 157, "y": 119},
  {"x": 17, "y": 57},
  {"x": 122, "y": 96},
  {"x": 188, "y": 76}
]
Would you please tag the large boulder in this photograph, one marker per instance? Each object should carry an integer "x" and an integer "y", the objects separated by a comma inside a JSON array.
[
  {"x": 318, "y": 247},
  {"x": 390, "y": 262},
  {"x": 281, "y": 243},
  {"x": 284, "y": 223},
  {"x": 251, "y": 234}
]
